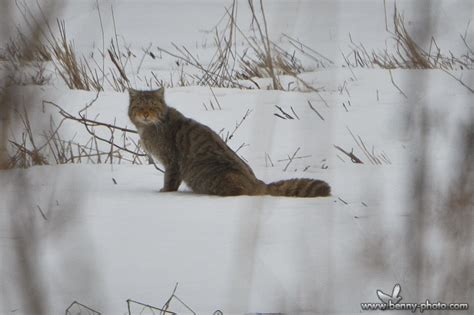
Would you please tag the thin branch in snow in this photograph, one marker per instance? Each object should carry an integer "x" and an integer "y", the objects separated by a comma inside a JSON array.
[
  {"x": 144, "y": 305},
  {"x": 395, "y": 85},
  {"x": 81, "y": 306},
  {"x": 459, "y": 80},
  {"x": 268, "y": 159},
  {"x": 343, "y": 201},
  {"x": 215, "y": 98},
  {"x": 237, "y": 126},
  {"x": 285, "y": 114},
  {"x": 295, "y": 158},
  {"x": 294, "y": 113},
  {"x": 351, "y": 155},
  {"x": 314, "y": 110},
  {"x": 42, "y": 213},
  {"x": 290, "y": 159}
]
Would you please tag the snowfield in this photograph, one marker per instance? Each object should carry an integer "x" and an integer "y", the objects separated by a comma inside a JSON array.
[{"x": 102, "y": 233}]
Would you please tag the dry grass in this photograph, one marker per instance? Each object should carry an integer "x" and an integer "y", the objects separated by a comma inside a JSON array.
[
  {"x": 107, "y": 143},
  {"x": 232, "y": 64},
  {"x": 112, "y": 67},
  {"x": 407, "y": 54},
  {"x": 263, "y": 58},
  {"x": 77, "y": 72},
  {"x": 35, "y": 73},
  {"x": 16, "y": 50},
  {"x": 372, "y": 156}
]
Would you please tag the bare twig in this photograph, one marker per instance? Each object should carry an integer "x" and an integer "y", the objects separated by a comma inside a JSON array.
[
  {"x": 42, "y": 213},
  {"x": 89, "y": 310},
  {"x": 173, "y": 296},
  {"x": 351, "y": 155},
  {"x": 268, "y": 159},
  {"x": 90, "y": 124},
  {"x": 395, "y": 85},
  {"x": 314, "y": 110},
  {"x": 459, "y": 80},
  {"x": 294, "y": 113},
  {"x": 290, "y": 159},
  {"x": 237, "y": 126},
  {"x": 285, "y": 114},
  {"x": 215, "y": 98},
  {"x": 295, "y": 158},
  {"x": 151, "y": 307}
]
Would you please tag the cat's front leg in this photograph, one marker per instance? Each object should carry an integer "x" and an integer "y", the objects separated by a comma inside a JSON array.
[{"x": 172, "y": 179}]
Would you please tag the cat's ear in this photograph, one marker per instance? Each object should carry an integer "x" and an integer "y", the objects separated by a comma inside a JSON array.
[
  {"x": 132, "y": 92},
  {"x": 160, "y": 92}
]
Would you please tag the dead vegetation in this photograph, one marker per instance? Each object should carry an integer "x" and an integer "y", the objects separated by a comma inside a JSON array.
[
  {"x": 74, "y": 72},
  {"x": 79, "y": 308},
  {"x": 234, "y": 66},
  {"x": 55, "y": 48},
  {"x": 244, "y": 57},
  {"x": 15, "y": 50},
  {"x": 137, "y": 307},
  {"x": 107, "y": 142},
  {"x": 372, "y": 156},
  {"x": 112, "y": 67},
  {"x": 407, "y": 53},
  {"x": 28, "y": 150}
]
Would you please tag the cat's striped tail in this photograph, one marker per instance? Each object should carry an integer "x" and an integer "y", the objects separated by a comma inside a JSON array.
[{"x": 299, "y": 187}]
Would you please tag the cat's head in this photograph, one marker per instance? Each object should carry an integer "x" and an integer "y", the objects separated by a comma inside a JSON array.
[{"x": 147, "y": 107}]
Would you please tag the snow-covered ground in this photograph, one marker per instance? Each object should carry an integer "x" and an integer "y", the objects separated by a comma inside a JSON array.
[{"x": 104, "y": 233}]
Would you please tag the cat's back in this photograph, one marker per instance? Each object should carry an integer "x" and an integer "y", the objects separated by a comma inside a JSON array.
[{"x": 203, "y": 151}]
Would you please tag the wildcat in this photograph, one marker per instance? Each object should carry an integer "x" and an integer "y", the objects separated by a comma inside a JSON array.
[{"x": 193, "y": 153}]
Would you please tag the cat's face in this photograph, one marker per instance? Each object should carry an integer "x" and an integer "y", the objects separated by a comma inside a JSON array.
[{"x": 147, "y": 107}]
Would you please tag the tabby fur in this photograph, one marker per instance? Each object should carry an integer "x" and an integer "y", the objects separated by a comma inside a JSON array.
[{"x": 193, "y": 153}]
